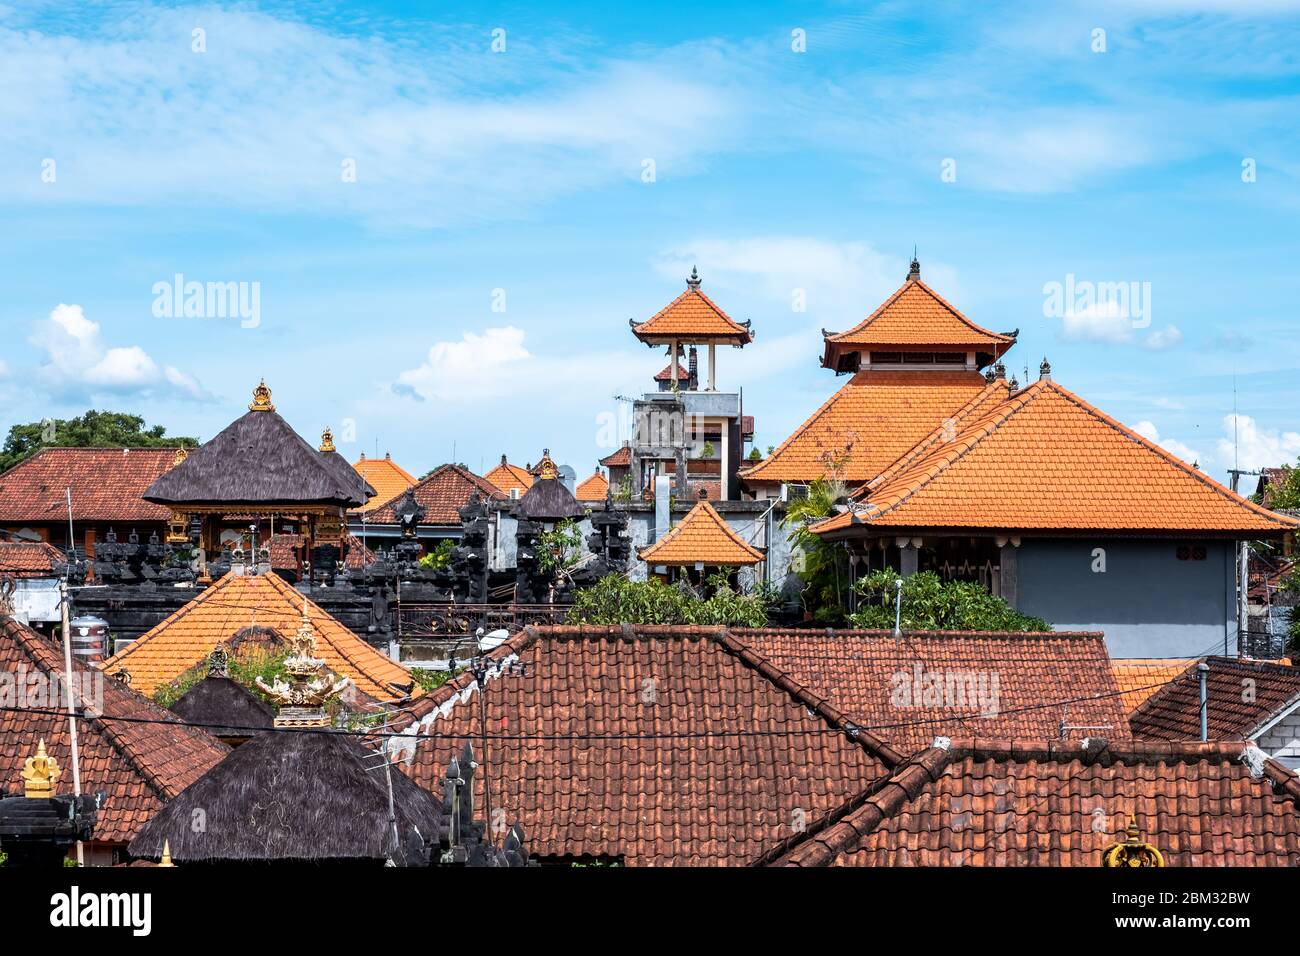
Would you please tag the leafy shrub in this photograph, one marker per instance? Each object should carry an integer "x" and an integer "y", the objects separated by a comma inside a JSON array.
[
  {"x": 616, "y": 600},
  {"x": 930, "y": 604}
]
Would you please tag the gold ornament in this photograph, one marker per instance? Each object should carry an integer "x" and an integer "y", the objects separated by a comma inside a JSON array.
[{"x": 1131, "y": 851}]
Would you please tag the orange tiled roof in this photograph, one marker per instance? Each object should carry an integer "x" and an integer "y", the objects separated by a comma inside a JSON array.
[
  {"x": 1140, "y": 677},
  {"x": 140, "y": 760},
  {"x": 916, "y": 317},
  {"x": 1173, "y": 712},
  {"x": 692, "y": 316},
  {"x": 1046, "y": 460},
  {"x": 508, "y": 477},
  {"x": 619, "y": 459},
  {"x": 593, "y": 489},
  {"x": 442, "y": 494},
  {"x": 682, "y": 373},
  {"x": 702, "y": 536},
  {"x": 106, "y": 485},
  {"x": 237, "y": 601},
  {"x": 387, "y": 477},
  {"x": 871, "y": 421}
]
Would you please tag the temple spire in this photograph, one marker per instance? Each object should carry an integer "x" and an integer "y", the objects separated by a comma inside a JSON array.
[
  {"x": 693, "y": 283},
  {"x": 914, "y": 270}
]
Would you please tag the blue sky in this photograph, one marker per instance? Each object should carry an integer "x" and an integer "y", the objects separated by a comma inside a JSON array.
[{"x": 467, "y": 291}]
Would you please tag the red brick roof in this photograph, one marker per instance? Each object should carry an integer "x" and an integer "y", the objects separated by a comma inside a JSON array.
[
  {"x": 916, "y": 317},
  {"x": 910, "y": 689},
  {"x": 1240, "y": 695},
  {"x": 1050, "y": 803},
  {"x": 506, "y": 477},
  {"x": 1046, "y": 460},
  {"x": 657, "y": 745},
  {"x": 865, "y": 427},
  {"x": 1140, "y": 677},
  {"x": 29, "y": 559},
  {"x": 106, "y": 485},
  {"x": 138, "y": 765},
  {"x": 443, "y": 493},
  {"x": 386, "y": 476},
  {"x": 683, "y": 373},
  {"x": 284, "y": 553}
]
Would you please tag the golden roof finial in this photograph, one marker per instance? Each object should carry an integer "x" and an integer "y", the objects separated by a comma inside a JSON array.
[
  {"x": 40, "y": 774},
  {"x": 167, "y": 854},
  {"x": 546, "y": 467},
  {"x": 302, "y": 697},
  {"x": 261, "y": 399},
  {"x": 327, "y": 440},
  {"x": 181, "y": 454},
  {"x": 1131, "y": 851}
]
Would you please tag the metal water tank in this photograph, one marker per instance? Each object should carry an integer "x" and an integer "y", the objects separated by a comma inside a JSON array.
[{"x": 89, "y": 638}]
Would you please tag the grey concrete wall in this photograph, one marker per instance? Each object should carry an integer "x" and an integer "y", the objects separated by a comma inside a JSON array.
[{"x": 1148, "y": 603}]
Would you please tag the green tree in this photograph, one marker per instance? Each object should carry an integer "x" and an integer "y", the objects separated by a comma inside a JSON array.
[
  {"x": 439, "y": 556},
  {"x": 823, "y": 578},
  {"x": 1286, "y": 492},
  {"x": 930, "y": 604},
  {"x": 92, "y": 430}
]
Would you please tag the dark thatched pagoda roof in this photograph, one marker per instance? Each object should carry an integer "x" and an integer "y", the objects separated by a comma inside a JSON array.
[
  {"x": 549, "y": 500},
  {"x": 224, "y": 707},
  {"x": 296, "y": 796},
  {"x": 259, "y": 459}
]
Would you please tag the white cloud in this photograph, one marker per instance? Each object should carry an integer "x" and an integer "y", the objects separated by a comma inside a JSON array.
[
  {"x": 79, "y": 363},
  {"x": 1109, "y": 323},
  {"x": 439, "y": 128},
  {"x": 1162, "y": 339},
  {"x": 1147, "y": 429},
  {"x": 1252, "y": 447},
  {"x": 475, "y": 367}
]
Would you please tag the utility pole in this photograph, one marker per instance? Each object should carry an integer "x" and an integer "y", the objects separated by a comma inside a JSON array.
[
  {"x": 67, "y": 691},
  {"x": 1243, "y": 578}
]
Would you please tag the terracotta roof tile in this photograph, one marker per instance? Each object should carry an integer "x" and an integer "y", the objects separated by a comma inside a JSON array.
[
  {"x": 593, "y": 489},
  {"x": 692, "y": 316},
  {"x": 875, "y": 418},
  {"x": 506, "y": 477},
  {"x": 285, "y": 555},
  {"x": 106, "y": 485},
  {"x": 138, "y": 765},
  {"x": 702, "y": 536},
  {"x": 910, "y": 689},
  {"x": 1139, "y": 678},
  {"x": 657, "y": 745},
  {"x": 1048, "y": 803},
  {"x": 388, "y": 478},
  {"x": 29, "y": 559},
  {"x": 683, "y": 373},
  {"x": 1241, "y": 696},
  {"x": 442, "y": 494},
  {"x": 1044, "y": 459},
  {"x": 916, "y": 316},
  {"x": 237, "y": 601},
  {"x": 619, "y": 459}
]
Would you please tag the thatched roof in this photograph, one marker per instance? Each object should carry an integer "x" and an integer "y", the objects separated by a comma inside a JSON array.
[
  {"x": 224, "y": 707},
  {"x": 259, "y": 459},
  {"x": 295, "y": 796},
  {"x": 549, "y": 500}
]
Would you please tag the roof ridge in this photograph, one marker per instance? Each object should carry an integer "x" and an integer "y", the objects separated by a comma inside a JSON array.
[
  {"x": 717, "y": 310},
  {"x": 905, "y": 287},
  {"x": 969, "y": 439},
  {"x": 915, "y": 453},
  {"x": 1196, "y": 473},
  {"x": 222, "y": 582}
]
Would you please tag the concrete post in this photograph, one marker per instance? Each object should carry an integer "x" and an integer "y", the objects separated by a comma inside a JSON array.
[
  {"x": 1008, "y": 577},
  {"x": 713, "y": 367}
]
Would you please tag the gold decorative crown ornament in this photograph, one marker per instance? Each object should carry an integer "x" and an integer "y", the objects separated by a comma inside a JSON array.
[
  {"x": 1131, "y": 851},
  {"x": 303, "y": 696},
  {"x": 40, "y": 774},
  {"x": 181, "y": 454},
  {"x": 546, "y": 467},
  {"x": 327, "y": 440},
  {"x": 261, "y": 399}
]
